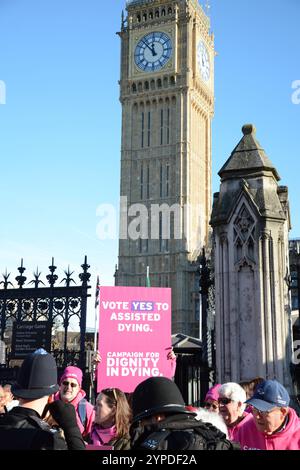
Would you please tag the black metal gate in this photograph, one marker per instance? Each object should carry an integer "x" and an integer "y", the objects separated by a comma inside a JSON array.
[{"x": 54, "y": 305}]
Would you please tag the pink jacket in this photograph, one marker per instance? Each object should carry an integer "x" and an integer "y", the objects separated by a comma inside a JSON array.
[
  {"x": 232, "y": 431},
  {"x": 289, "y": 439},
  {"x": 90, "y": 412}
]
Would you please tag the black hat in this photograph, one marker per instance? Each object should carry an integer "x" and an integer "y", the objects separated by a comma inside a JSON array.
[
  {"x": 156, "y": 395},
  {"x": 37, "y": 376}
]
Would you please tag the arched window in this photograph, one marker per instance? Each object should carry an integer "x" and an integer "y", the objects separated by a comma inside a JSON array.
[
  {"x": 138, "y": 17},
  {"x": 170, "y": 11},
  {"x": 166, "y": 82},
  {"x": 149, "y": 127},
  {"x": 151, "y": 15},
  {"x": 168, "y": 127},
  {"x": 142, "y": 129},
  {"x": 159, "y": 85},
  {"x": 161, "y": 126},
  {"x": 152, "y": 85},
  {"x": 156, "y": 13},
  {"x": 163, "y": 12},
  {"x": 167, "y": 122},
  {"x": 146, "y": 86},
  {"x": 144, "y": 16},
  {"x": 133, "y": 88},
  {"x": 140, "y": 86},
  {"x": 172, "y": 80}
]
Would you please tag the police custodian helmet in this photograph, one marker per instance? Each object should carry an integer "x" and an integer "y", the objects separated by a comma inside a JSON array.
[
  {"x": 156, "y": 395},
  {"x": 37, "y": 376}
]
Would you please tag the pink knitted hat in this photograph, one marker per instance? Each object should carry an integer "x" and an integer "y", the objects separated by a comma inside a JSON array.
[
  {"x": 72, "y": 372},
  {"x": 213, "y": 393}
]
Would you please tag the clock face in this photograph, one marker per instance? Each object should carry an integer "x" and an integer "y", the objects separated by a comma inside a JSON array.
[
  {"x": 203, "y": 61},
  {"x": 153, "y": 51}
]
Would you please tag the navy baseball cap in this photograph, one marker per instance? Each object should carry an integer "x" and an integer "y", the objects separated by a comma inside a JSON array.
[{"x": 269, "y": 394}]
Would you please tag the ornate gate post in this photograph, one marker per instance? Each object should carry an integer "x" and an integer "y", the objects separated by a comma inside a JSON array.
[{"x": 251, "y": 221}]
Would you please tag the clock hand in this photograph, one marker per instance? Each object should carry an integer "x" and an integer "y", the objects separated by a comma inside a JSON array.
[
  {"x": 151, "y": 48},
  {"x": 147, "y": 45}
]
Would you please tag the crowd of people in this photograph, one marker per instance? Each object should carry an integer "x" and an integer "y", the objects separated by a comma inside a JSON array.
[{"x": 40, "y": 412}]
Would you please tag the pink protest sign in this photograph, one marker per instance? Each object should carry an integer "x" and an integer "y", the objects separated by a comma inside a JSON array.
[{"x": 134, "y": 336}]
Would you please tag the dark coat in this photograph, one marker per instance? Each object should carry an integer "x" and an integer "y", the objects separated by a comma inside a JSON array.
[
  {"x": 23, "y": 429},
  {"x": 179, "y": 432},
  {"x": 120, "y": 443}
]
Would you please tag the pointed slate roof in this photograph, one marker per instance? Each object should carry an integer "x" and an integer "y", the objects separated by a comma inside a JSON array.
[{"x": 247, "y": 157}]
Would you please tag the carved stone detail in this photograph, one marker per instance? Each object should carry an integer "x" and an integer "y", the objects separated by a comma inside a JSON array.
[
  {"x": 244, "y": 237},
  {"x": 244, "y": 222}
]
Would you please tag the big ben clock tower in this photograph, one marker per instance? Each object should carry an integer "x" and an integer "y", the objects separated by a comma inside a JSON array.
[{"x": 167, "y": 97}]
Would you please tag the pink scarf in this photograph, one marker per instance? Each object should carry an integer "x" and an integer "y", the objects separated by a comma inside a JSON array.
[{"x": 101, "y": 436}]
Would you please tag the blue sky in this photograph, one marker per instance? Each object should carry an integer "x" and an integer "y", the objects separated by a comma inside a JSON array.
[{"x": 60, "y": 126}]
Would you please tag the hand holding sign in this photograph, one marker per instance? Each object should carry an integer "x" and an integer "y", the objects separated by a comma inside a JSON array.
[
  {"x": 171, "y": 356},
  {"x": 97, "y": 359}
]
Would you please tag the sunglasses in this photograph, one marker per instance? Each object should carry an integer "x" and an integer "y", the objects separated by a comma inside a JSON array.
[
  {"x": 224, "y": 401},
  {"x": 111, "y": 390},
  {"x": 214, "y": 406},
  {"x": 66, "y": 384}
]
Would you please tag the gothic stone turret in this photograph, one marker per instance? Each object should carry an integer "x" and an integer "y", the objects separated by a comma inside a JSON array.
[{"x": 250, "y": 219}]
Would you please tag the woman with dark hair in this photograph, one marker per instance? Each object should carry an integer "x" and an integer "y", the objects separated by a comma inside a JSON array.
[
  {"x": 112, "y": 420},
  {"x": 250, "y": 386}
]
